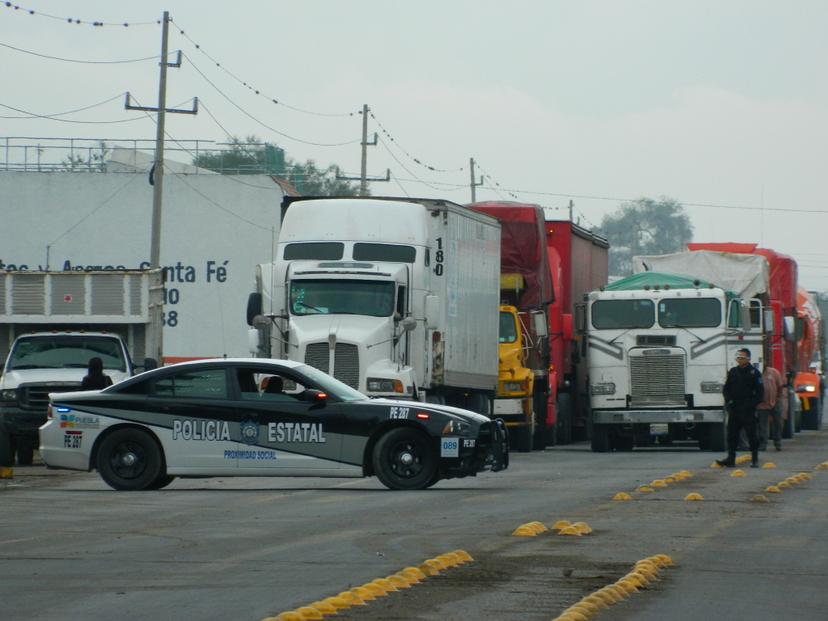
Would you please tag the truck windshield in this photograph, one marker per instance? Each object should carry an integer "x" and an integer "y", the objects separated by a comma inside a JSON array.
[
  {"x": 58, "y": 351},
  {"x": 689, "y": 313},
  {"x": 508, "y": 329},
  {"x": 623, "y": 314},
  {"x": 374, "y": 298}
]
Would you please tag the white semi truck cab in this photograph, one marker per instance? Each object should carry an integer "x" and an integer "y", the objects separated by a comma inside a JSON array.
[
  {"x": 659, "y": 347},
  {"x": 395, "y": 297}
]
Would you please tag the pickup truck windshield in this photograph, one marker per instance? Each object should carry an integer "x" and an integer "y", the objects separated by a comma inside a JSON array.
[
  {"x": 623, "y": 314},
  {"x": 59, "y": 351},
  {"x": 689, "y": 313},
  {"x": 374, "y": 298}
]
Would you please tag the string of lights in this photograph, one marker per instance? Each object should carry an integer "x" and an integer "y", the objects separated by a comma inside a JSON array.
[
  {"x": 255, "y": 90},
  {"x": 262, "y": 123},
  {"x": 414, "y": 159},
  {"x": 78, "y": 61},
  {"x": 75, "y": 20}
]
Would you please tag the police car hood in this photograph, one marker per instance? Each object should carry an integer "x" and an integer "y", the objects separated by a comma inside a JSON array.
[
  {"x": 69, "y": 377},
  {"x": 445, "y": 409}
]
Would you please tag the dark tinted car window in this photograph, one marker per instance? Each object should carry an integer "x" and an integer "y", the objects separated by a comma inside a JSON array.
[
  {"x": 384, "y": 252},
  {"x": 314, "y": 250},
  {"x": 193, "y": 384}
]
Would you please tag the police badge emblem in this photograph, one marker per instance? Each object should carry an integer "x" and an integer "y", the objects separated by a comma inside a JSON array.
[{"x": 249, "y": 432}]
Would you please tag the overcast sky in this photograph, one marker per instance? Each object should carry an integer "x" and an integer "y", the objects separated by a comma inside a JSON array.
[{"x": 710, "y": 102}]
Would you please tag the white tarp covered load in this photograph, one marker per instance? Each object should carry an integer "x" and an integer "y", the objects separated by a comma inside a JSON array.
[{"x": 744, "y": 274}]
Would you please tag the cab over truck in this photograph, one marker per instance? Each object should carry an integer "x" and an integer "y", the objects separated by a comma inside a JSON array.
[
  {"x": 396, "y": 297},
  {"x": 659, "y": 346},
  {"x": 52, "y": 323}
]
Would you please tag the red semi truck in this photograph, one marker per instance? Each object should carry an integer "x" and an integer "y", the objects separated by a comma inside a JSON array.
[{"x": 559, "y": 262}]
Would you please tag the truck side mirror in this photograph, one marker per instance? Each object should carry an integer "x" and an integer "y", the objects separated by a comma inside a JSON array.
[
  {"x": 790, "y": 328},
  {"x": 580, "y": 318},
  {"x": 408, "y": 324},
  {"x": 253, "y": 341},
  {"x": 539, "y": 324},
  {"x": 254, "y": 307},
  {"x": 768, "y": 319},
  {"x": 744, "y": 316}
]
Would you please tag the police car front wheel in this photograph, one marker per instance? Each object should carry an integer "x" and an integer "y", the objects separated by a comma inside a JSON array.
[
  {"x": 130, "y": 460},
  {"x": 405, "y": 459}
]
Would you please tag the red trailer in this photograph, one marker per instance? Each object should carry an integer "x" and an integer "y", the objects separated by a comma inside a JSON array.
[{"x": 573, "y": 261}]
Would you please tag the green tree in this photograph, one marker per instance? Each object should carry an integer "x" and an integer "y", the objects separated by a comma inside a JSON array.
[
  {"x": 645, "y": 226},
  {"x": 253, "y": 157}
]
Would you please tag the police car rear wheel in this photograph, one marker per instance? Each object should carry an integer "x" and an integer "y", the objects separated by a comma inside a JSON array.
[
  {"x": 161, "y": 482},
  {"x": 129, "y": 460},
  {"x": 404, "y": 459}
]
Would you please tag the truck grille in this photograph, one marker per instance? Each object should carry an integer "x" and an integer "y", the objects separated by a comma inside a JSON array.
[
  {"x": 36, "y": 396},
  {"x": 346, "y": 361},
  {"x": 657, "y": 379}
]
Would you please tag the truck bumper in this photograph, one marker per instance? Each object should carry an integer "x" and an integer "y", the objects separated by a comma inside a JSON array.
[
  {"x": 19, "y": 422},
  {"x": 629, "y": 417}
]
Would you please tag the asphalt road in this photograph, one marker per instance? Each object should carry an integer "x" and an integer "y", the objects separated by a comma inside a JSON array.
[{"x": 245, "y": 549}]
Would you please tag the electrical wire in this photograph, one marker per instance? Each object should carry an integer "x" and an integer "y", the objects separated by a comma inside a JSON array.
[
  {"x": 252, "y": 88},
  {"x": 33, "y": 115},
  {"x": 262, "y": 123},
  {"x": 405, "y": 151},
  {"x": 72, "y": 20},
  {"x": 100, "y": 103},
  {"x": 403, "y": 166},
  {"x": 83, "y": 62}
]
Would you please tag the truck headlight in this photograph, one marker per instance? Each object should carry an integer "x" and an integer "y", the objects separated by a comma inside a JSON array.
[
  {"x": 806, "y": 389},
  {"x": 8, "y": 395},
  {"x": 711, "y": 387},
  {"x": 456, "y": 427},
  {"x": 378, "y": 384},
  {"x": 602, "y": 388}
]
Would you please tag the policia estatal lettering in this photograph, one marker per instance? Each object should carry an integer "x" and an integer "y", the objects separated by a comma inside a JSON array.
[{"x": 743, "y": 391}]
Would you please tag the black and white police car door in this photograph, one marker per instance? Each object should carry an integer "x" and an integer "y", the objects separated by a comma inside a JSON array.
[{"x": 288, "y": 428}]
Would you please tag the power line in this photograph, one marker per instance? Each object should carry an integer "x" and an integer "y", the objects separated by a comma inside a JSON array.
[
  {"x": 254, "y": 89},
  {"x": 403, "y": 166},
  {"x": 34, "y": 115},
  {"x": 262, "y": 123},
  {"x": 84, "y": 62},
  {"x": 89, "y": 107},
  {"x": 407, "y": 154}
]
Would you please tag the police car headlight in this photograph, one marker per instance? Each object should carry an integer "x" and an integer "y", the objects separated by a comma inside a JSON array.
[
  {"x": 8, "y": 395},
  {"x": 456, "y": 427},
  {"x": 711, "y": 387},
  {"x": 602, "y": 388},
  {"x": 378, "y": 384}
]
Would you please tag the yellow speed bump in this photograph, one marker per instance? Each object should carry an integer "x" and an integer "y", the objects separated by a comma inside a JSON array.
[
  {"x": 449, "y": 559},
  {"x": 524, "y": 530},
  {"x": 366, "y": 595},
  {"x": 768, "y": 465},
  {"x": 6, "y": 473},
  {"x": 659, "y": 483},
  {"x": 582, "y": 527},
  {"x": 375, "y": 589},
  {"x": 580, "y": 609},
  {"x": 561, "y": 524},
  {"x": 666, "y": 561},
  {"x": 596, "y": 601},
  {"x": 464, "y": 556},
  {"x": 428, "y": 570},
  {"x": 783, "y": 485},
  {"x": 627, "y": 585},
  {"x": 793, "y": 480},
  {"x": 385, "y": 584},
  {"x": 804, "y": 475},
  {"x": 340, "y": 603},
  {"x": 773, "y": 489},
  {"x": 822, "y": 466},
  {"x": 400, "y": 581},
  {"x": 715, "y": 464},
  {"x": 671, "y": 479},
  {"x": 616, "y": 590},
  {"x": 639, "y": 578},
  {"x": 289, "y": 615},
  {"x": 573, "y": 615},
  {"x": 743, "y": 459},
  {"x": 414, "y": 574},
  {"x": 590, "y": 607},
  {"x": 570, "y": 531},
  {"x": 737, "y": 474},
  {"x": 686, "y": 474},
  {"x": 622, "y": 496},
  {"x": 326, "y": 608},
  {"x": 694, "y": 496},
  {"x": 645, "y": 489},
  {"x": 433, "y": 562},
  {"x": 310, "y": 614},
  {"x": 539, "y": 526},
  {"x": 759, "y": 498},
  {"x": 353, "y": 598}
]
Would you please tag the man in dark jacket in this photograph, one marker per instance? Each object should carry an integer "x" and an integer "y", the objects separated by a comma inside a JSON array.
[{"x": 743, "y": 391}]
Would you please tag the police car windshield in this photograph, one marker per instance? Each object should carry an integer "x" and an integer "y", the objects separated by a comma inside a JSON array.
[{"x": 332, "y": 386}]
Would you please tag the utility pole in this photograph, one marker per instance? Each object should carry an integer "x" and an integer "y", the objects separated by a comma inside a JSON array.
[
  {"x": 363, "y": 170},
  {"x": 157, "y": 172},
  {"x": 473, "y": 183}
]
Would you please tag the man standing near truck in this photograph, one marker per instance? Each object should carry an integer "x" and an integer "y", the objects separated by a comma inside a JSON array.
[
  {"x": 743, "y": 391},
  {"x": 770, "y": 410}
]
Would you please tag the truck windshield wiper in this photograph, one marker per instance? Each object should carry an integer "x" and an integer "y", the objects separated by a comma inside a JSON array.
[{"x": 310, "y": 306}]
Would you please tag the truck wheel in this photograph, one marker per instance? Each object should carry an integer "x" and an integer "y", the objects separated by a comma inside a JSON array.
[
  {"x": 717, "y": 437},
  {"x": 6, "y": 453},
  {"x": 810, "y": 419},
  {"x": 25, "y": 453},
  {"x": 600, "y": 438},
  {"x": 478, "y": 402},
  {"x": 130, "y": 460},
  {"x": 522, "y": 438},
  {"x": 539, "y": 433},
  {"x": 404, "y": 459}
]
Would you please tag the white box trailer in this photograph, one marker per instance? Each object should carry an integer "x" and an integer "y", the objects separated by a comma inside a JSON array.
[{"x": 397, "y": 297}]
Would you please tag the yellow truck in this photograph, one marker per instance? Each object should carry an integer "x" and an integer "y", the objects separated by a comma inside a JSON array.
[{"x": 515, "y": 380}]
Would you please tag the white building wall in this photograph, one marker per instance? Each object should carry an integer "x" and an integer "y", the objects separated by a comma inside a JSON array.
[{"x": 215, "y": 230}]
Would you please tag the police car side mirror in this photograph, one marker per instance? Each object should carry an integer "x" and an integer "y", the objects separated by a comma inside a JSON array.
[{"x": 315, "y": 396}]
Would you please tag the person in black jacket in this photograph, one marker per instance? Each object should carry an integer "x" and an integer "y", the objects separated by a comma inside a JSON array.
[
  {"x": 743, "y": 391},
  {"x": 95, "y": 378}
]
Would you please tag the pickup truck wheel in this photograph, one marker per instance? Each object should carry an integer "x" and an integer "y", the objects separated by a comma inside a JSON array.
[
  {"x": 129, "y": 460},
  {"x": 600, "y": 441},
  {"x": 6, "y": 453},
  {"x": 25, "y": 454},
  {"x": 404, "y": 459}
]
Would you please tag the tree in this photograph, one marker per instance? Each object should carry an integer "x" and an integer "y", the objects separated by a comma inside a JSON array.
[
  {"x": 253, "y": 157},
  {"x": 645, "y": 226}
]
